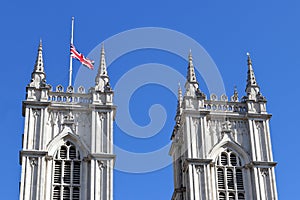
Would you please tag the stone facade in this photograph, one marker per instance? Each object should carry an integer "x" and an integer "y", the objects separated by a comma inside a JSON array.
[
  {"x": 221, "y": 148},
  {"x": 67, "y": 148}
]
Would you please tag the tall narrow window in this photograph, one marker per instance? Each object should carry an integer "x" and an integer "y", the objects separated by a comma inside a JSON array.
[
  {"x": 66, "y": 169},
  {"x": 229, "y": 176}
]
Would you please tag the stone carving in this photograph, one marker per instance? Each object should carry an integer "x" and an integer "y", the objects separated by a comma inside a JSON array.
[
  {"x": 213, "y": 97},
  {"x": 101, "y": 164},
  {"x": 199, "y": 169},
  {"x": 264, "y": 171},
  {"x": 59, "y": 88},
  {"x": 226, "y": 126},
  {"x": 33, "y": 161},
  {"x": 70, "y": 89},
  {"x": 36, "y": 112},
  {"x": 224, "y": 97},
  {"x": 81, "y": 89}
]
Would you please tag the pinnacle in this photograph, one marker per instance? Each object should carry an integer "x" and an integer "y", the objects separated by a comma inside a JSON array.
[
  {"x": 102, "y": 79},
  {"x": 179, "y": 92},
  {"x": 39, "y": 63},
  {"x": 235, "y": 96},
  {"x": 251, "y": 80},
  {"x": 191, "y": 77},
  {"x": 102, "y": 67}
]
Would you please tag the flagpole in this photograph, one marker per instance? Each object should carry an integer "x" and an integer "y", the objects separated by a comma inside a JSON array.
[{"x": 71, "y": 59}]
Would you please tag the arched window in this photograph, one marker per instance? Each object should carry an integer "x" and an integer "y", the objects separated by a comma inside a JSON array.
[
  {"x": 66, "y": 170},
  {"x": 230, "y": 182}
]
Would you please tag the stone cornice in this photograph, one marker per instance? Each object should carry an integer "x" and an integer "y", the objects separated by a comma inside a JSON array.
[
  {"x": 31, "y": 153},
  {"x": 258, "y": 116},
  {"x": 99, "y": 156},
  {"x": 195, "y": 113},
  {"x": 34, "y": 104},
  {"x": 195, "y": 161},
  {"x": 103, "y": 107},
  {"x": 261, "y": 164}
]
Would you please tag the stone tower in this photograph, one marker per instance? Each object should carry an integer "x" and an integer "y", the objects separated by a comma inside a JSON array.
[
  {"x": 67, "y": 148},
  {"x": 221, "y": 148}
]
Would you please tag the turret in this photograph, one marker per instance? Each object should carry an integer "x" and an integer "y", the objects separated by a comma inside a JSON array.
[
  {"x": 102, "y": 79},
  {"x": 256, "y": 102},
  {"x": 252, "y": 88},
  {"x": 192, "y": 85},
  {"x": 37, "y": 89},
  {"x": 102, "y": 92}
]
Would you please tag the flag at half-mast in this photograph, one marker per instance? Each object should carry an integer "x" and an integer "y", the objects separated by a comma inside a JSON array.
[{"x": 79, "y": 56}]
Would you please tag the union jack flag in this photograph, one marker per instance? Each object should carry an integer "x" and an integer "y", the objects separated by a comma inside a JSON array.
[{"x": 79, "y": 56}]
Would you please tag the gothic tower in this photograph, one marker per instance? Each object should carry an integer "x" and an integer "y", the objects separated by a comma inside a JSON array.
[
  {"x": 67, "y": 148},
  {"x": 221, "y": 148}
]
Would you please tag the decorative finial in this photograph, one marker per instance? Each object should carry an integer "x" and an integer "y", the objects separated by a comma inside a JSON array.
[
  {"x": 38, "y": 75},
  {"x": 102, "y": 79},
  {"x": 190, "y": 55},
  {"x": 251, "y": 80},
  {"x": 249, "y": 59},
  {"x": 252, "y": 88},
  {"x": 102, "y": 48},
  {"x": 235, "y": 96},
  {"x": 102, "y": 66},
  {"x": 39, "y": 63},
  {"x": 179, "y": 92},
  {"x": 191, "y": 77},
  {"x": 179, "y": 105}
]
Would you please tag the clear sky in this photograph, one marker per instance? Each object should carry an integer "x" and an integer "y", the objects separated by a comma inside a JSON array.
[{"x": 270, "y": 30}]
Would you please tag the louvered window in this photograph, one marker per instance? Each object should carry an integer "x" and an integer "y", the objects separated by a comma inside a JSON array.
[
  {"x": 221, "y": 181},
  {"x": 239, "y": 179},
  {"x": 233, "y": 161},
  {"x": 231, "y": 196},
  {"x": 241, "y": 196},
  {"x": 67, "y": 168},
  {"x": 222, "y": 196},
  {"x": 56, "y": 193},
  {"x": 230, "y": 182},
  {"x": 224, "y": 158},
  {"x": 229, "y": 176}
]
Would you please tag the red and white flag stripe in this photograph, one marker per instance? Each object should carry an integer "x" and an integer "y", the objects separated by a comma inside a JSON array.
[{"x": 79, "y": 56}]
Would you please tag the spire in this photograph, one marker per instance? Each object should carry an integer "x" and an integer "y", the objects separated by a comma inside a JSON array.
[
  {"x": 39, "y": 63},
  {"x": 102, "y": 67},
  {"x": 251, "y": 80},
  {"x": 191, "y": 85},
  {"x": 102, "y": 79},
  {"x": 252, "y": 88},
  {"x": 38, "y": 75},
  {"x": 191, "y": 77}
]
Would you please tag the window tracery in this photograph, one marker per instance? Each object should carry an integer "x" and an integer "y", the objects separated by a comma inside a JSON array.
[
  {"x": 230, "y": 182},
  {"x": 67, "y": 170}
]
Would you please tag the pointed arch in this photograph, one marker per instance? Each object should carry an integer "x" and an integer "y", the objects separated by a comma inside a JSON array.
[
  {"x": 67, "y": 151},
  {"x": 59, "y": 140},
  {"x": 228, "y": 143},
  {"x": 230, "y": 174}
]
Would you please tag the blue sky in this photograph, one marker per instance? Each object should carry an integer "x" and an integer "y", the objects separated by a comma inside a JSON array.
[{"x": 270, "y": 30}]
